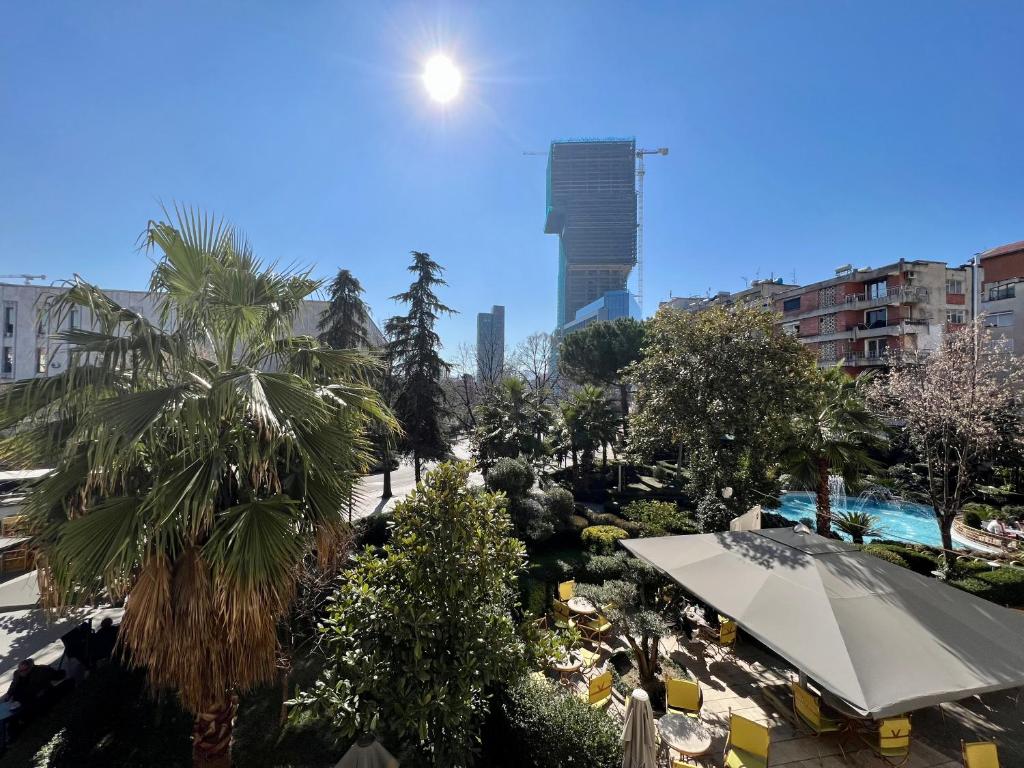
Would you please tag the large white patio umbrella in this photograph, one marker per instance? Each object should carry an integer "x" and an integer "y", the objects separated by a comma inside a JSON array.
[
  {"x": 882, "y": 638},
  {"x": 638, "y": 738}
]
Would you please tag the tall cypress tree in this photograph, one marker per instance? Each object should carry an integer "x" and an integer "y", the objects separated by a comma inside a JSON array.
[
  {"x": 343, "y": 322},
  {"x": 413, "y": 346}
]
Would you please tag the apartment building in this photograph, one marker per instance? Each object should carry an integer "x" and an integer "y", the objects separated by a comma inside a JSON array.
[
  {"x": 26, "y": 326},
  {"x": 865, "y": 317},
  {"x": 760, "y": 294},
  {"x": 1002, "y": 298}
]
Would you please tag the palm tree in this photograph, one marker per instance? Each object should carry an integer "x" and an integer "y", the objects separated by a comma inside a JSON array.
[
  {"x": 831, "y": 435},
  {"x": 857, "y": 524},
  {"x": 511, "y": 422},
  {"x": 197, "y": 459},
  {"x": 588, "y": 423}
]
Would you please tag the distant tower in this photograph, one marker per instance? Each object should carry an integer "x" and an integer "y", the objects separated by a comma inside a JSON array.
[
  {"x": 592, "y": 207},
  {"x": 490, "y": 345}
]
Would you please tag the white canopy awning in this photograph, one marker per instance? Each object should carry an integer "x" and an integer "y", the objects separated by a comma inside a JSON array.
[{"x": 882, "y": 638}]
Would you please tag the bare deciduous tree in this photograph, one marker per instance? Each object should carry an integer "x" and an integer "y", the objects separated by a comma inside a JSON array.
[{"x": 953, "y": 405}]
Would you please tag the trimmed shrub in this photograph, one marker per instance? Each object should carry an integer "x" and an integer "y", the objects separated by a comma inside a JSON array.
[
  {"x": 578, "y": 523},
  {"x": 916, "y": 559},
  {"x": 534, "y": 725},
  {"x": 713, "y": 516},
  {"x": 601, "y": 568},
  {"x": 532, "y": 521},
  {"x": 1006, "y": 586},
  {"x": 972, "y": 519},
  {"x": 984, "y": 511},
  {"x": 605, "y": 518},
  {"x": 560, "y": 506},
  {"x": 1014, "y": 511},
  {"x": 373, "y": 530},
  {"x": 883, "y": 553},
  {"x": 658, "y": 518},
  {"x": 601, "y": 539},
  {"x": 512, "y": 476}
]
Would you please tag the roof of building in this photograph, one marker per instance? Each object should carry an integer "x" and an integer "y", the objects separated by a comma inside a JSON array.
[{"x": 1002, "y": 250}]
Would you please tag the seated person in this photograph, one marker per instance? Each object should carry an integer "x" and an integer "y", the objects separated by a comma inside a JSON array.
[
  {"x": 995, "y": 526},
  {"x": 31, "y": 686}
]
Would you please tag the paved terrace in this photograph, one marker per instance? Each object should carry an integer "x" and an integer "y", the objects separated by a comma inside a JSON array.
[{"x": 736, "y": 684}]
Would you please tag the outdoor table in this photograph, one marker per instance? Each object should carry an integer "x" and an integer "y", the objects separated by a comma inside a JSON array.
[
  {"x": 582, "y": 606},
  {"x": 567, "y": 667},
  {"x": 686, "y": 735}
]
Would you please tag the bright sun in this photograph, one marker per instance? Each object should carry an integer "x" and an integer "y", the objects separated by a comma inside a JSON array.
[{"x": 441, "y": 78}]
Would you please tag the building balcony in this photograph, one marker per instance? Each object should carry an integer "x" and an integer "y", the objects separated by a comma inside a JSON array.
[{"x": 909, "y": 295}]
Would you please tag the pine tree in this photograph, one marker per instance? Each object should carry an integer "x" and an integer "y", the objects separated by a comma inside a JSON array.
[
  {"x": 413, "y": 347},
  {"x": 343, "y": 322}
]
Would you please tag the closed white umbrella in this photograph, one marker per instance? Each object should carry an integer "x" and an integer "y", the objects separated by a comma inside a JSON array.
[
  {"x": 638, "y": 739},
  {"x": 367, "y": 752}
]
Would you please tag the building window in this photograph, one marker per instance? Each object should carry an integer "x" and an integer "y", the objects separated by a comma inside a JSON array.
[
  {"x": 876, "y": 290},
  {"x": 954, "y": 285},
  {"x": 9, "y": 316},
  {"x": 997, "y": 292},
  {"x": 40, "y": 360},
  {"x": 74, "y": 318},
  {"x": 876, "y": 348},
  {"x": 999, "y": 320},
  {"x": 7, "y": 362},
  {"x": 791, "y": 329},
  {"x": 876, "y": 318},
  {"x": 791, "y": 305},
  {"x": 955, "y": 316}
]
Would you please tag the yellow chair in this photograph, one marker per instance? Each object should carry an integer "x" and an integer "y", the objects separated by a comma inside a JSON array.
[
  {"x": 566, "y": 590},
  {"x": 595, "y": 629},
  {"x": 599, "y": 690},
  {"x": 980, "y": 754},
  {"x": 13, "y": 526},
  {"x": 725, "y": 639},
  {"x": 17, "y": 560},
  {"x": 807, "y": 708},
  {"x": 683, "y": 697},
  {"x": 561, "y": 614},
  {"x": 682, "y": 764},
  {"x": 893, "y": 740},
  {"x": 747, "y": 744},
  {"x": 589, "y": 659}
]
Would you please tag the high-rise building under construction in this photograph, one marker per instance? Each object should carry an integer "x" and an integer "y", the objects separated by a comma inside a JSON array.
[{"x": 591, "y": 206}]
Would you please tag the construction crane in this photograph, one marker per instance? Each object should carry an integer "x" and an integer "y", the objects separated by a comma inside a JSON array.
[
  {"x": 641, "y": 170},
  {"x": 27, "y": 278}
]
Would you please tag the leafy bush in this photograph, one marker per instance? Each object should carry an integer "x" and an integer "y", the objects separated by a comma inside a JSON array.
[
  {"x": 605, "y": 518},
  {"x": 373, "y": 530},
  {"x": 712, "y": 515},
  {"x": 1002, "y": 585},
  {"x": 514, "y": 477},
  {"x": 658, "y": 518},
  {"x": 917, "y": 559},
  {"x": 578, "y": 522},
  {"x": 601, "y": 539},
  {"x": 884, "y": 553},
  {"x": 972, "y": 519},
  {"x": 531, "y": 519},
  {"x": 537, "y": 726},
  {"x": 560, "y": 506},
  {"x": 1013, "y": 511},
  {"x": 601, "y": 568},
  {"x": 984, "y": 511}
]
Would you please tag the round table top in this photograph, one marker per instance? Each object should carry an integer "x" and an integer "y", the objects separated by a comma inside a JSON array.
[
  {"x": 581, "y": 605},
  {"x": 684, "y": 734}
]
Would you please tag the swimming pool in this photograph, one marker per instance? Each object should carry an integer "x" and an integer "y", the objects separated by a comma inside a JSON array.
[{"x": 900, "y": 520}]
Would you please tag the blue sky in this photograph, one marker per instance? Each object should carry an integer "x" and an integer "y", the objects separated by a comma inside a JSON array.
[{"x": 803, "y": 136}]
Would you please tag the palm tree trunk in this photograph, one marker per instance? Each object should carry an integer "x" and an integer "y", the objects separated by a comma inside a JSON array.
[
  {"x": 212, "y": 732},
  {"x": 679, "y": 457},
  {"x": 604, "y": 456},
  {"x": 824, "y": 521},
  {"x": 386, "y": 493},
  {"x": 416, "y": 467}
]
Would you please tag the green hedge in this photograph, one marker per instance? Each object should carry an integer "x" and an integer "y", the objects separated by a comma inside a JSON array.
[
  {"x": 601, "y": 539},
  {"x": 917, "y": 559},
  {"x": 886, "y": 554},
  {"x": 984, "y": 511},
  {"x": 536, "y": 725},
  {"x": 1004, "y": 586}
]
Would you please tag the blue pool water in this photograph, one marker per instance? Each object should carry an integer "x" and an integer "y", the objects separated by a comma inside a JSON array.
[{"x": 900, "y": 520}]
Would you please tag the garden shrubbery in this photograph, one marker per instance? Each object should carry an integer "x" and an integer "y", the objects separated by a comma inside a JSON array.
[
  {"x": 1004, "y": 586},
  {"x": 601, "y": 539},
  {"x": 658, "y": 518},
  {"x": 538, "y": 726},
  {"x": 984, "y": 511}
]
